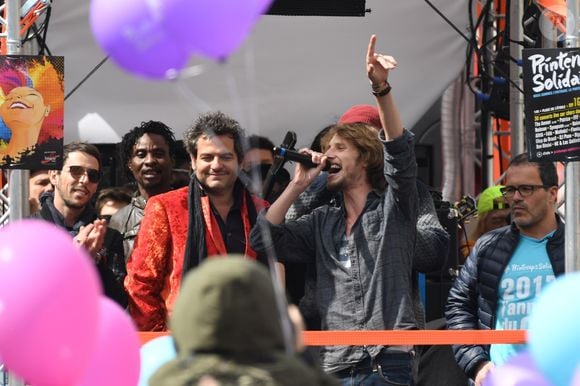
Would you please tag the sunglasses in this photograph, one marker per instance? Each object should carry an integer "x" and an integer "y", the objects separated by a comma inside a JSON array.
[
  {"x": 78, "y": 171},
  {"x": 106, "y": 217}
]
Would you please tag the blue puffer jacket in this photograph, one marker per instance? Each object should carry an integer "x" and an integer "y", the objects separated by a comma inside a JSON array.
[{"x": 472, "y": 302}]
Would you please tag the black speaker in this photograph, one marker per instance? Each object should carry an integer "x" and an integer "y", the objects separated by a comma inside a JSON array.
[
  {"x": 451, "y": 265},
  {"x": 318, "y": 8},
  {"x": 424, "y": 156},
  {"x": 436, "y": 293}
]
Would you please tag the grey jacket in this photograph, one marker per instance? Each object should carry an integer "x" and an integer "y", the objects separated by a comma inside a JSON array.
[
  {"x": 127, "y": 221},
  {"x": 431, "y": 246}
]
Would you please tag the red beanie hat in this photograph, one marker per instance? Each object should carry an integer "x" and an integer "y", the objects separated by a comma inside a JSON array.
[{"x": 362, "y": 114}]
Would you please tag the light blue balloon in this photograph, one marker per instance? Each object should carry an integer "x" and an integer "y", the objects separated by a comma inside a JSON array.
[
  {"x": 554, "y": 335},
  {"x": 155, "y": 354}
]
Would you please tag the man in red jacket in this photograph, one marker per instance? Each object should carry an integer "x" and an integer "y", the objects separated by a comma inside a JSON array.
[{"x": 212, "y": 216}]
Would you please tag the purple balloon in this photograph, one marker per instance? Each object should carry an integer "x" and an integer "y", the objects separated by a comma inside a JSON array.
[
  {"x": 131, "y": 32},
  {"x": 117, "y": 357},
  {"x": 518, "y": 371},
  {"x": 49, "y": 291},
  {"x": 213, "y": 28}
]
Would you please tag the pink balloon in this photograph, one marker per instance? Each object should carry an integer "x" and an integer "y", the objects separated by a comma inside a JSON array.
[
  {"x": 49, "y": 291},
  {"x": 214, "y": 28},
  {"x": 520, "y": 370},
  {"x": 131, "y": 33},
  {"x": 116, "y": 361}
]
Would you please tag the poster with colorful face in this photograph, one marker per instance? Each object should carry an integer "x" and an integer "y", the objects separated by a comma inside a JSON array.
[{"x": 31, "y": 112}]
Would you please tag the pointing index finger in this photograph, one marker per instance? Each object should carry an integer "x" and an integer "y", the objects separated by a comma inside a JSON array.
[{"x": 371, "y": 49}]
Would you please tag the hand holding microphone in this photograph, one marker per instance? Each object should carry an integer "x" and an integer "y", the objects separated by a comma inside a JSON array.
[{"x": 303, "y": 159}]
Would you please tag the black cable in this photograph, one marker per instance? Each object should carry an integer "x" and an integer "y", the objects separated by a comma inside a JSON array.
[
  {"x": 466, "y": 238},
  {"x": 474, "y": 27},
  {"x": 47, "y": 19},
  {"x": 497, "y": 38},
  {"x": 520, "y": 42},
  {"x": 471, "y": 41},
  {"x": 486, "y": 87},
  {"x": 41, "y": 42},
  {"x": 469, "y": 50},
  {"x": 25, "y": 37},
  {"x": 499, "y": 148},
  {"x": 38, "y": 30},
  {"x": 448, "y": 21},
  {"x": 28, "y": 37},
  {"x": 87, "y": 77}
]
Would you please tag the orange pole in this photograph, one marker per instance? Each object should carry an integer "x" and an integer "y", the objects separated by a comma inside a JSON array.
[
  {"x": 397, "y": 337},
  {"x": 503, "y": 142}
]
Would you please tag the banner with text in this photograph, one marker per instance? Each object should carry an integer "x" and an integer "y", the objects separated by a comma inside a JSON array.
[{"x": 552, "y": 103}]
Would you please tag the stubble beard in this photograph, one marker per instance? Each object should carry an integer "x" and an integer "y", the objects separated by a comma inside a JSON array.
[{"x": 73, "y": 205}]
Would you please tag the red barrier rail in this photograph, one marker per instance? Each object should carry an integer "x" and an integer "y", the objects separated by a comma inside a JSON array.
[{"x": 398, "y": 337}]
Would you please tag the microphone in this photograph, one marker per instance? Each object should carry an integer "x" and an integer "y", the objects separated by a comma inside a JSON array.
[{"x": 292, "y": 155}]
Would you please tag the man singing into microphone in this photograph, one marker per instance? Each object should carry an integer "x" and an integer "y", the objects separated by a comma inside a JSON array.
[{"x": 363, "y": 248}]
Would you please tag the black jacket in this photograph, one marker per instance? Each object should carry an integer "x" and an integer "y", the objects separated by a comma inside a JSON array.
[
  {"x": 472, "y": 302},
  {"x": 111, "y": 280}
]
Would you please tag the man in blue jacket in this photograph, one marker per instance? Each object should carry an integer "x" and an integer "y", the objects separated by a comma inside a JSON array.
[{"x": 509, "y": 267}]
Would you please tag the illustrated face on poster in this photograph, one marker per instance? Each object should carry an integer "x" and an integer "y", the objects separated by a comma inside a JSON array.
[
  {"x": 31, "y": 112},
  {"x": 24, "y": 108}
]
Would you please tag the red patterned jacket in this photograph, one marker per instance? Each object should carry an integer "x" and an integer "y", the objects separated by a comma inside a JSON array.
[{"x": 154, "y": 269}]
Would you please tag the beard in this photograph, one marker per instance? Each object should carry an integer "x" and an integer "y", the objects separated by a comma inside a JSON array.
[
  {"x": 335, "y": 186},
  {"x": 73, "y": 205},
  {"x": 68, "y": 200}
]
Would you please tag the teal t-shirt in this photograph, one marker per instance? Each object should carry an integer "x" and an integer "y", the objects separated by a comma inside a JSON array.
[{"x": 526, "y": 275}]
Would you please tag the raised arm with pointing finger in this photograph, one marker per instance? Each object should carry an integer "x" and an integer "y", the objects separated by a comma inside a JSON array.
[
  {"x": 378, "y": 67},
  {"x": 363, "y": 267}
]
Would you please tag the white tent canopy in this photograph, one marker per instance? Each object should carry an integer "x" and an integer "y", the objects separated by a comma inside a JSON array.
[{"x": 292, "y": 73}]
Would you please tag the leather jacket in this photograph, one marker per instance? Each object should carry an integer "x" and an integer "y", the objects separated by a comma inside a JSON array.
[{"x": 127, "y": 222}]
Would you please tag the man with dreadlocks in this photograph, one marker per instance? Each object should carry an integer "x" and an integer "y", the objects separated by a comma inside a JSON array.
[
  {"x": 148, "y": 155},
  {"x": 212, "y": 216}
]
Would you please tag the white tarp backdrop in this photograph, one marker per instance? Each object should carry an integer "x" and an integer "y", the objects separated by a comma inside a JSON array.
[{"x": 292, "y": 73}]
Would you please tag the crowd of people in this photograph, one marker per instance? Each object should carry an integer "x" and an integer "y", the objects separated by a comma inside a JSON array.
[{"x": 360, "y": 233}]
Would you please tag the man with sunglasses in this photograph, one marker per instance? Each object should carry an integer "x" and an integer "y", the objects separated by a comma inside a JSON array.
[
  {"x": 509, "y": 267},
  {"x": 70, "y": 207}
]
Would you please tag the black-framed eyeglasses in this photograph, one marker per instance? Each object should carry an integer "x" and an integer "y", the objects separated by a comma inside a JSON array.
[
  {"x": 524, "y": 190},
  {"x": 78, "y": 171}
]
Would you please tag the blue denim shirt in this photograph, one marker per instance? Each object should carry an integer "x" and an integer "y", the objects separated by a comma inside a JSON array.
[{"x": 375, "y": 293}]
